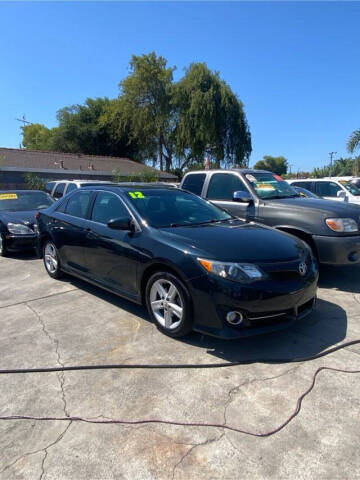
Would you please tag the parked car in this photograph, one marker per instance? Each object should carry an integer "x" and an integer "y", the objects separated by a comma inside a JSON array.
[
  {"x": 17, "y": 218},
  {"x": 57, "y": 189},
  {"x": 303, "y": 192},
  {"x": 195, "y": 266},
  {"x": 330, "y": 189},
  {"x": 331, "y": 229}
]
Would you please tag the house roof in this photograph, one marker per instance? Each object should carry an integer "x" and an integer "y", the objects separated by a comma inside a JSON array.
[{"x": 76, "y": 162}]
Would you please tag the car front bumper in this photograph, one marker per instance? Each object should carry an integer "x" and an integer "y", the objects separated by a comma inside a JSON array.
[
  {"x": 20, "y": 242},
  {"x": 338, "y": 250},
  {"x": 267, "y": 307}
]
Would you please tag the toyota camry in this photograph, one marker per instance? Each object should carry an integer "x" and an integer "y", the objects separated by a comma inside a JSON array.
[{"x": 194, "y": 266}]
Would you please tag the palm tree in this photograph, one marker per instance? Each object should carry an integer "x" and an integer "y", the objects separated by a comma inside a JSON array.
[{"x": 354, "y": 141}]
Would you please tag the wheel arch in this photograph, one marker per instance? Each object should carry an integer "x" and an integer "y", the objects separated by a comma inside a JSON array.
[
  {"x": 158, "y": 265},
  {"x": 303, "y": 235}
]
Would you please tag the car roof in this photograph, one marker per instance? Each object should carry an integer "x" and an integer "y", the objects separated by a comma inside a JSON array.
[
  {"x": 239, "y": 170},
  {"x": 127, "y": 185}
]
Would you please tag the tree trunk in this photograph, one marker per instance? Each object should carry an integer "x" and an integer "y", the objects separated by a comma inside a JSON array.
[{"x": 161, "y": 155}]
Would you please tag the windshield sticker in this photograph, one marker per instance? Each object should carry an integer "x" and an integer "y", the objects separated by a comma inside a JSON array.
[
  {"x": 251, "y": 178},
  {"x": 136, "y": 195},
  {"x": 265, "y": 186},
  {"x": 8, "y": 196}
]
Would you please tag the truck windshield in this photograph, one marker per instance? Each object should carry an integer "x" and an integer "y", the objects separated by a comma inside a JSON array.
[
  {"x": 353, "y": 189},
  {"x": 270, "y": 186}
]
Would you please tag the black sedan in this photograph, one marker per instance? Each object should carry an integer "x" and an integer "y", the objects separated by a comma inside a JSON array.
[
  {"x": 17, "y": 218},
  {"x": 195, "y": 266}
]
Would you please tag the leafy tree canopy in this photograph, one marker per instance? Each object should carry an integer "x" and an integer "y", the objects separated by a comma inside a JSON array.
[
  {"x": 354, "y": 141},
  {"x": 209, "y": 117},
  {"x": 277, "y": 165},
  {"x": 169, "y": 124}
]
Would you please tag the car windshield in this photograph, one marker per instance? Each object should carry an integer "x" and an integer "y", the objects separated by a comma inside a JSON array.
[
  {"x": 270, "y": 186},
  {"x": 352, "y": 188},
  {"x": 24, "y": 201},
  {"x": 174, "y": 208}
]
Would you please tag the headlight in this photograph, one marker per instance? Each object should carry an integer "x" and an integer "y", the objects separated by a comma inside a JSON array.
[
  {"x": 238, "y": 272},
  {"x": 19, "y": 229},
  {"x": 342, "y": 224}
]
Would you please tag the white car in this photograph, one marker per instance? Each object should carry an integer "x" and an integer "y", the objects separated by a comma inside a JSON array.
[
  {"x": 330, "y": 188},
  {"x": 58, "y": 188}
]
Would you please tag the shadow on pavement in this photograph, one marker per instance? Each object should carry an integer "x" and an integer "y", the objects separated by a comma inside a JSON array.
[
  {"x": 325, "y": 327},
  {"x": 344, "y": 279}
]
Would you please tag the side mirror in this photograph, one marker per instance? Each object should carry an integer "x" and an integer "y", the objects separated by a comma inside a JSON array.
[
  {"x": 124, "y": 223},
  {"x": 341, "y": 194},
  {"x": 242, "y": 197}
]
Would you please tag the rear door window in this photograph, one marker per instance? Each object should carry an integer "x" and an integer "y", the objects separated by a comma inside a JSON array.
[
  {"x": 306, "y": 185},
  {"x": 78, "y": 204},
  {"x": 49, "y": 187},
  {"x": 327, "y": 189},
  {"x": 59, "y": 190},
  {"x": 71, "y": 187},
  {"x": 223, "y": 185},
  {"x": 194, "y": 183}
]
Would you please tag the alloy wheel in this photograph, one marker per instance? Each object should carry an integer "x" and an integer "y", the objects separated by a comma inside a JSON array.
[
  {"x": 50, "y": 256},
  {"x": 166, "y": 304}
]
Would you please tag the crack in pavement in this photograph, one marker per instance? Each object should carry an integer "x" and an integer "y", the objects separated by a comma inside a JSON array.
[
  {"x": 38, "y": 298},
  {"x": 60, "y": 375},
  {"x": 236, "y": 389},
  {"x": 45, "y": 449},
  {"x": 51, "y": 445},
  {"x": 196, "y": 445}
]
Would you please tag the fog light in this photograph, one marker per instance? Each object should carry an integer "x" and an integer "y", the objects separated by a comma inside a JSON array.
[
  {"x": 353, "y": 257},
  {"x": 234, "y": 318}
]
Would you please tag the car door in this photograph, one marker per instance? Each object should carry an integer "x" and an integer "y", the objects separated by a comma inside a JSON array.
[
  {"x": 329, "y": 191},
  {"x": 111, "y": 257},
  {"x": 220, "y": 191},
  {"x": 68, "y": 228}
]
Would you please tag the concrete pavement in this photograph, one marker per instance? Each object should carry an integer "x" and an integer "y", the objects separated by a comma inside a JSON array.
[{"x": 45, "y": 322}]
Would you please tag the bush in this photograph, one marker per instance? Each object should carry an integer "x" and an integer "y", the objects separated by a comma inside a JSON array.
[
  {"x": 145, "y": 176},
  {"x": 34, "y": 182}
]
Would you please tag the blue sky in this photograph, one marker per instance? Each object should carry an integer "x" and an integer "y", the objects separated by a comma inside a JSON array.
[{"x": 294, "y": 65}]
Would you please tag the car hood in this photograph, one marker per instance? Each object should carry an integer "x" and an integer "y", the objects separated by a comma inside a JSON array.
[
  {"x": 18, "y": 217},
  {"x": 235, "y": 242},
  {"x": 327, "y": 208}
]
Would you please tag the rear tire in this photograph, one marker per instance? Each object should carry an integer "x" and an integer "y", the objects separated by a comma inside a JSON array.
[
  {"x": 51, "y": 260},
  {"x": 3, "y": 249},
  {"x": 169, "y": 304}
]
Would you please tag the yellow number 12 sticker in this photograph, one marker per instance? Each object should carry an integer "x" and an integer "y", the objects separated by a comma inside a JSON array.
[{"x": 136, "y": 195}]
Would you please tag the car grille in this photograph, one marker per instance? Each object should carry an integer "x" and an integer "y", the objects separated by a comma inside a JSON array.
[{"x": 288, "y": 271}]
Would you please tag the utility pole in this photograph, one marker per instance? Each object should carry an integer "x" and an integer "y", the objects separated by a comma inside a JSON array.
[
  {"x": 331, "y": 162},
  {"x": 25, "y": 122}
]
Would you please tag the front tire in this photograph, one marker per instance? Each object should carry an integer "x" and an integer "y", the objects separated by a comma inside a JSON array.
[
  {"x": 51, "y": 260},
  {"x": 3, "y": 249},
  {"x": 169, "y": 304}
]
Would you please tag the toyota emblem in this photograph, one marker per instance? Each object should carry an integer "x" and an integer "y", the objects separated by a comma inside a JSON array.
[{"x": 302, "y": 268}]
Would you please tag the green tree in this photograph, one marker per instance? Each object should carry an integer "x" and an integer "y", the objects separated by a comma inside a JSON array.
[
  {"x": 209, "y": 118},
  {"x": 37, "y": 137},
  {"x": 277, "y": 165},
  {"x": 145, "y": 106},
  {"x": 354, "y": 141}
]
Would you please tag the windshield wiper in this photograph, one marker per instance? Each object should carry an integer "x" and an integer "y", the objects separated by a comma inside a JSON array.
[{"x": 200, "y": 223}]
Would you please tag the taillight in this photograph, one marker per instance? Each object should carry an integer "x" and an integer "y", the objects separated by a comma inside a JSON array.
[{"x": 37, "y": 215}]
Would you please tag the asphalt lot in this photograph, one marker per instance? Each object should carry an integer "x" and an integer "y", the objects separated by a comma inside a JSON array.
[{"x": 45, "y": 322}]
